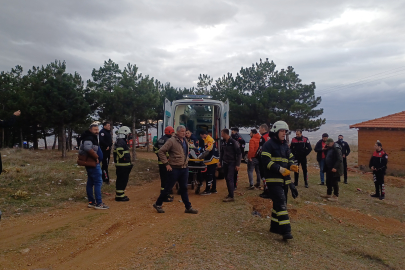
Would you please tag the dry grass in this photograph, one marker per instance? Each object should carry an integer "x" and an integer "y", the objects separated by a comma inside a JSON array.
[{"x": 34, "y": 181}]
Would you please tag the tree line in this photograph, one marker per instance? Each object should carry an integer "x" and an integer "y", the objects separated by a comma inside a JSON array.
[{"x": 55, "y": 102}]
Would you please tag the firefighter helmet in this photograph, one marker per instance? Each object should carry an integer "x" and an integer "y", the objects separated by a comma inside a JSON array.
[
  {"x": 279, "y": 125},
  {"x": 124, "y": 130},
  {"x": 169, "y": 130}
]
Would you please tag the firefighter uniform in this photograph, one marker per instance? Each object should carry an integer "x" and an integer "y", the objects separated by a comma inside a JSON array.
[
  {"x": 379, "y": 161},
  {"x": 122, "y": 160},
  {"x": 162, "y": 168},
  {"x": 277, "y": 159},
  {"x": 211, "y": 159},
  {"x": 300, "y": 148}
]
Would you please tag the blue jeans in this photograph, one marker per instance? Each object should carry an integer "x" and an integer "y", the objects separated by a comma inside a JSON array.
[
  {"x": 321, "y": 167},
  {"x": 176, "y": 175},
  {"x": 95, "y": 181},
  {"x": 254, "y": 166}
]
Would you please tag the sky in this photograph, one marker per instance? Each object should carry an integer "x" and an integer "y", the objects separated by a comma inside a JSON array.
[{"x": 353, "y": 50}]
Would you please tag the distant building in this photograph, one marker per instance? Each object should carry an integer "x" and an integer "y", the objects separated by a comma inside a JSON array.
[{"x": 390, "y": 131}]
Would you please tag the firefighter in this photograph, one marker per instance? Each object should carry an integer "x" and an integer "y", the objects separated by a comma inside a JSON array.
[
  {"x": 277, "y": 161},
  {"x": 211, "y": 159},
  {"x": 105, "y": 140},
  {"x": 345, "y": 153},
  {"x": 123, "y": 166},
  {"x": 378, "y": 163},
  {"x": 169, "y": 131},
  {"x": 300, "y": 148}
]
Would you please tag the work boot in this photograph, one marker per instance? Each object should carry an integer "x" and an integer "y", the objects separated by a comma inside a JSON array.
[
  {"x": 122, "y": 199},
  {"x": 333, "y": 199},
  {"x": 382, "y": 197},
  {"x": 326, "y": 196},
  {"x": 158, "y": 208},
  {"x": 191, "y": 210},
  {"x": 228, "y": 199},
  {"x": 375, "y": 195},
  {"x": 287, "y": 236}
]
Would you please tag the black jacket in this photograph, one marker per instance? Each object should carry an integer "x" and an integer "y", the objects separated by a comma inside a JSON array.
[
  {"x": 334, "y": 160},
  {"x": 158, "y": 144},
  {"x": 88, "y": 136},
  {"x": 122, "y": 157},
  {"x": 276, "y": 154},
  {"x": 105, "y": 139},
  {"x": 318, "y": 150},
  {"x": 230, "y": 152},
  {"x": 345, "y": 147},
  {"x": 379, "y": 161},
  {"x": 300, "y": 147},
  {"x": 241, "y": 142}
]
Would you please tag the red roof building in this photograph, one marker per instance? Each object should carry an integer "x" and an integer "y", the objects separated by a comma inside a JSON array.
[{"x": 390, "y": 131}]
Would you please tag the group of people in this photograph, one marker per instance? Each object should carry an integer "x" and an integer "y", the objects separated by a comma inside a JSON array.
[
  {"x": 95, "y": 147},
  {"x": 269, "y": 155}
]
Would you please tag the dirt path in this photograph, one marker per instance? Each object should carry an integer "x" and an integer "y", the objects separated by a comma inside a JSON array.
[{"x": 77, "y": 237}]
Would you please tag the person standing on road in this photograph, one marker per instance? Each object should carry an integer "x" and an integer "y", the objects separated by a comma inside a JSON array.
[
  {"x": 230, "y": 159},
  {"x": 177, "y": 168},
  {"x": 123, "y": 165},
  {"x": 90, "y": 149},
  {"x": 169, "y": 131},
  {"x": 333, "y": 168},
  {"x": 378, "y": 163},
  {"x": 105, "y": 145},
  {"x": 6, "y": 124},
  {"x": 211, "y": 159},
  {"x": 242, "y": 143},
  {"x": 265, "y": 136},
  {"x": 277, "y": 161},
  {"x": 300, "y": 148},
  {"x": 253, "y": 162},
  {"x": 345, "y": 153},
  {"x": 320, "y": 149}
]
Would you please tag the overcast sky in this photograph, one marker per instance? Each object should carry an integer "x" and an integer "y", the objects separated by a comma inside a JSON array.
[{"x": 331, "y": 43}]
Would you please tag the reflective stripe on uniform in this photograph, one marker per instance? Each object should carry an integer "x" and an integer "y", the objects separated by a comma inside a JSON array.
[
  {"x": 273, "y": 211},
  {"x": 279, "y": 159},
  {"x": 282, "y": 213},
  {"x": 284, "y": 222},
  {"x": 291, "y": 155},
  {"x": 267, "y": 154},
  {"x": 270, "y": 164},
  {"x": 122, "y": 164},
  {"x": 274, "y": 219}
]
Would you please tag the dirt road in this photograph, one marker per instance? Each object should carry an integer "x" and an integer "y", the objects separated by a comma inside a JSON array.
[{"x": 77, "y": 237}]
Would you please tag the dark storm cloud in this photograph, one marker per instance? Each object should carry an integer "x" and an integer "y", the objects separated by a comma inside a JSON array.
[{"x": 329, "y": 42}]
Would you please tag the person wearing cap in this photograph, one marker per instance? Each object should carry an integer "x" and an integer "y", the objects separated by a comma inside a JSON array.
[
  {"x": 320, "y": 149},
  {"x": 378, "y": 163},
  {"x": 123, "y": 165},
  {"x": 345, "y": 153},
  {"x": 333, "y": 168},
  {"x": 169, "y": 131},
  {"x": 278, "y": 162}
]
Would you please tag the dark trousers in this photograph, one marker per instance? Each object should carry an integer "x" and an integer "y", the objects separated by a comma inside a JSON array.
[
  {"x": 303, "y": 163},
  {"x": 345, "y": 169},
  {"x": 122, "y": 180},
  {"x": 163, "y": 176},
  {"x": 235, "y": 179},
  {"x": 229, "y": 172},
  {"x": 280, "y": 221},
  {"x": 104, "y": 166},
  {"x": 176, "y": 175},
  {"x": 379, "y": 183},
  {"x": 210, "y": 178},
  {"x": 332, "y": 183}
]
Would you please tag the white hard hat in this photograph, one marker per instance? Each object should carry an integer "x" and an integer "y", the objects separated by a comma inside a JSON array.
[
  {"x": 279, "y": 125},
  {"x": 124, "y": 130}
]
